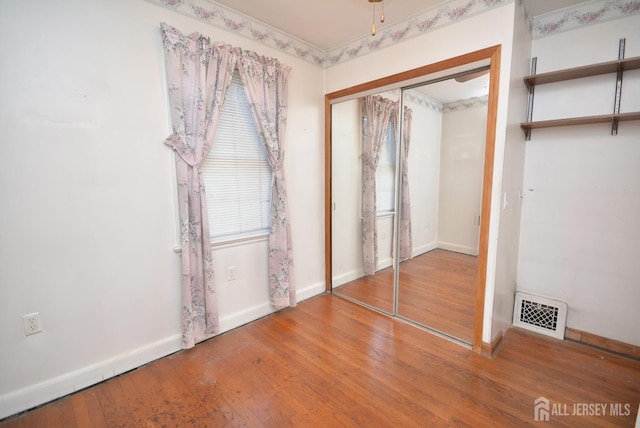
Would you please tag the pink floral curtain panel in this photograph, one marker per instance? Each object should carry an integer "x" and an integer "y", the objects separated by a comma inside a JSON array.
[
  {"x": 406, "y": 241},
  {"x": 266, "y": 84},
  {"x": 198, "y": 75},
  {"x": 376, "y": 111}
]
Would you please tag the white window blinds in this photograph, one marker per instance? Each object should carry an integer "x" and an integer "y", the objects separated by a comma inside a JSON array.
[
  {"x": 386, "y": 173},
  {"x": 236, "y": 173}
]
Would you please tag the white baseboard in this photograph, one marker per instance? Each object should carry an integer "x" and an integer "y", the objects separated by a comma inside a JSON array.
[
  {"x": 385, "y": 263},
  {"x": 34, "y": 395},
  {"x": 311, "y": 291},
  {"x": 458, "y": 248},
  {"x": 239, "y": 318},
  {"x": 346, "y": 277},
  {"x": 417, "y": 251},
  {"x": 43, "y": 392}
]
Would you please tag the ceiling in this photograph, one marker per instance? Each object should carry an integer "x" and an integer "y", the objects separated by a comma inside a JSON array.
[{"x": 328, "y": 24}]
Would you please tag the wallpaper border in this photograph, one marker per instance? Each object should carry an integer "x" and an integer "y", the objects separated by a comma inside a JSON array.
[{"x": 449, "y": 12}]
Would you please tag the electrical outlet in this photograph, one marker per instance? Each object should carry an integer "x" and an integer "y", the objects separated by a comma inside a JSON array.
[
  {"x": 231, "y": 273},
  {"x": 32, "y": 323}
]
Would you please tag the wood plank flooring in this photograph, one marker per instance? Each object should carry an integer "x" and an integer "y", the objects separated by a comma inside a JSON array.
[
  {"x": 332, "y": 363},
  {"x": 373, "y": 290},
  {"x": 437, "y": 289}
]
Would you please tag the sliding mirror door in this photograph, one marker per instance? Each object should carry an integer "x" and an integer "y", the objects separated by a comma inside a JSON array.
[
  {"x": 364, "y": 163},
  {"x": 409, "y": 192},
  {"x": 443, "y": 164}
]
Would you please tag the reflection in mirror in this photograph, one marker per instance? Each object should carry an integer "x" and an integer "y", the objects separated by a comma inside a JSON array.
[
  {"x": 444, "y": 169},
  {"x": 364, "y": 152},
  {"x": 406, "y": 180}
]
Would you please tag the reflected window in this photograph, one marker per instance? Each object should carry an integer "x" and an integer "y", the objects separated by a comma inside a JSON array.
[{"x": 386, "y": 173}]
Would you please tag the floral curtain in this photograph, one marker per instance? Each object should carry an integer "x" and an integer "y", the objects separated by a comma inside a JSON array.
[
  {"x": 376, "y": 112},
  {"x": 266, "y": 85},
  {"x": 198, "y": 75},
  {"x": 406, "y": 242}
]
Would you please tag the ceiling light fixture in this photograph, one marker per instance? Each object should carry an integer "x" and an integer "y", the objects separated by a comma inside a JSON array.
[{"x": 373, "y": 25}]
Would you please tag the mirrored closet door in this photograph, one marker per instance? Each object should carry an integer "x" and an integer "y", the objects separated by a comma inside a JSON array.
[
  {"x": 364, "y": 160},
  {"x": 442, "y": 170},
  {"x": 407, "y": 167}
]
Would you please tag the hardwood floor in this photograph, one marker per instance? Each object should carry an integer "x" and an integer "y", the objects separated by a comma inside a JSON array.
[
  {"x": 437, "y": 289},
  {"x": 373, "y": 290},
  {"x": 330, "y": 362}
]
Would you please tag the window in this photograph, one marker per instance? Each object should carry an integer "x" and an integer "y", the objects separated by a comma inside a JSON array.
[
  {"x": 386, "y": 173},
  {"x": 236, "y": 173}
]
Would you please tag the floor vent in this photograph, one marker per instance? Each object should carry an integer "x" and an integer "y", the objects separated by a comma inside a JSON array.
[{"x": 539, "y": 314}]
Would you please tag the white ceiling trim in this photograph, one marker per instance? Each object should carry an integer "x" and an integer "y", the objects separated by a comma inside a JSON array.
[{"x": 594, "y": 12}]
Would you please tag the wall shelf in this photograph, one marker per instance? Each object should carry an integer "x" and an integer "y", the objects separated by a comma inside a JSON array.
[
  {"x": 584, "y": 120},
  {"x": 585, "y": 71},
  {"x": 619, "y": 66}
]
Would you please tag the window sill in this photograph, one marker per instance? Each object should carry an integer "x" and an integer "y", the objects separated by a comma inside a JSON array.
[
  {"x": 234, "y": 242},
  {"x": 385, "y": 214},
  {"x": 241, "y": 240}
]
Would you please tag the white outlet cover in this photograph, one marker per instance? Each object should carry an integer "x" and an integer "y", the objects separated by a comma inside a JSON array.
[
  {"x": 32, "y": 323},
  {"x": 231, "y": 273}
]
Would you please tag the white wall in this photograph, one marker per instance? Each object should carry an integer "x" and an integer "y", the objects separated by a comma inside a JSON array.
[
  {"x": 346, "y": 192},
  {"x": 510, "y": 192},
  {"x": 424, "y": 168},
  {"x": 491, "y": 28},
  {"x": 580, "y": 239},
  {"x": 461, "y": 170},
  {"x": 87, "y": 188}
]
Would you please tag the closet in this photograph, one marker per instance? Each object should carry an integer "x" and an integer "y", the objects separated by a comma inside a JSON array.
[{"x": 419, "y": 253}]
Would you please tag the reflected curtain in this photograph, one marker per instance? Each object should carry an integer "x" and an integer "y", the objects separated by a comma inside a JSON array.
[
  {"x": 406, "y": 241},
  {"x": 266, "y": 84},
  {"x": 198, "y": 75},
  {"x": 377, "y": 111}
]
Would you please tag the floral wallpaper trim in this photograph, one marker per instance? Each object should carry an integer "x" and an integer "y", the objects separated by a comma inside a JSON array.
[
  {"x": 524, "y": 10},
  {"x": 593, "y": 12},
  {"x": 466, "y": 104},
  {"x": 226, "y": 18},
  {"x": 449, "y": 12},
  {"x": 423, "y": 100},
  {"x": 234, "y": 22},
  {"x": 440, "y": 16}
]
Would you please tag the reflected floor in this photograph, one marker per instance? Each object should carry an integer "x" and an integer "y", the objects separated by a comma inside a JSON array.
[
  {"x": 437, "y": 289},
  {"x": 374, "y": 290}
]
